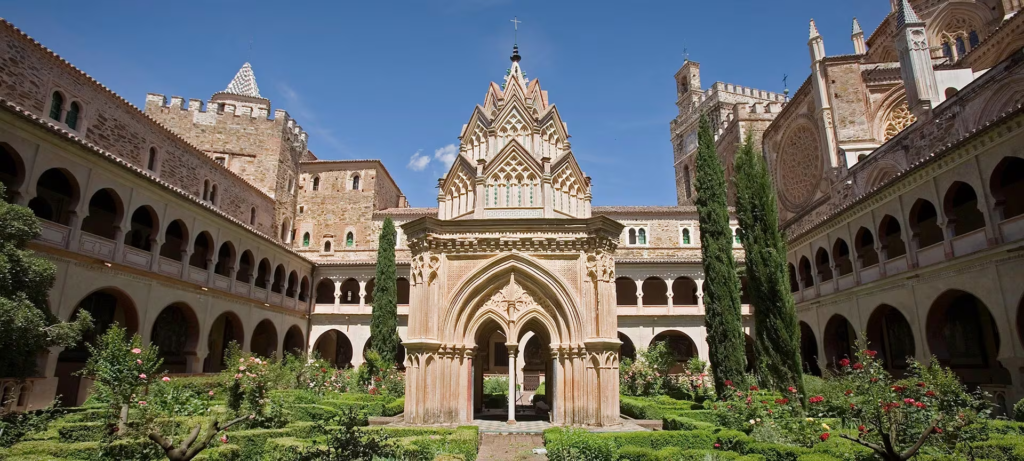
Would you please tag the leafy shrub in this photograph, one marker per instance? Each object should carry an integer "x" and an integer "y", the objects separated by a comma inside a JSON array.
[
  {"x": 1018, "y": 411},
  {"x": 248, "y": 384},
  {"x": 14, "y": 426},
  {"x": 648, "y": 374},
  {"x": 346, "y": 442},
  {"x": 577, "y": 445},
  {"x": 496, "y": 385},
  {"x": 121, "y": 368}
]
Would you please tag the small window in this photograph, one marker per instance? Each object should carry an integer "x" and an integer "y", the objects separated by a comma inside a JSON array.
[
  {"x": 206, "y": 190},
  {"x": 291, "y": 183},
  {"x": 221, "y": 160},
  {"x": 686, "y": 236},
  {"x": 961, "y": 47},
  {"x": 642, "y": 237},
  {"x": 947, "y": 50},
  {"x": 151, "y": 162},
  {"x": 220, "y": 108},
  {"x": 350, "y": 240},
  {"x": 252, "y": 216},
  {"x": 302, "y": 209},
  {"x": 355, "y": 182},
  {"x": 316, "y": 183},
  {"x": 973, "y": 38},
  {"x": 72, "y": 118},
  {"x": 213, "y": 194},
  {"x": 56, "y": 106},
  {"x": 632, "y": 236},
  {"x": 327, "y": 246},
  {"x": 305, "y": 239}
]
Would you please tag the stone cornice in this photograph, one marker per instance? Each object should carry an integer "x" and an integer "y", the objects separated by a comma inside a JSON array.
[{"x": 536, "y": 234}]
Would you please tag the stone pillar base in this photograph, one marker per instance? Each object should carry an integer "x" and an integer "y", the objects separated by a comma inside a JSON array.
[{"x": 511, "y": 422}]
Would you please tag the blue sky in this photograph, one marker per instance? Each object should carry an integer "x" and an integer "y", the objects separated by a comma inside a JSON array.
[{"x": 388, "y": 79}]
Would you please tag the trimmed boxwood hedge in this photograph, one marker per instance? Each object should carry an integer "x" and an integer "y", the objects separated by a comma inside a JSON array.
[{"x": 654, "y": 407}]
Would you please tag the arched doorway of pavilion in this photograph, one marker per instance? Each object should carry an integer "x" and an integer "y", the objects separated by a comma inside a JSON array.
[
  {"x": 108, "y": 307},
  {"x": 506, "y": 379}
]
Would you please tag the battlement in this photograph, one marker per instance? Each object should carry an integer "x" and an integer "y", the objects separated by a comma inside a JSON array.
[{"x": 156, "y": 101}]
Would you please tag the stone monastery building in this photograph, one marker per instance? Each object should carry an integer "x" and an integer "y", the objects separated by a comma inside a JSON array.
[{"x": 899, "y": 172}]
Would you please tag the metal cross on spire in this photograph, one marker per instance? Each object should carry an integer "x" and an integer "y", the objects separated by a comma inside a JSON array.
[
  {"x": 515, "y": 24},
  {"x": 686, "y": 54}
]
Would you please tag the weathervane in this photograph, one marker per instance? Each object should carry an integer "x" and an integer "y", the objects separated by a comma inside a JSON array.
[{"x": 515, "y": 24}]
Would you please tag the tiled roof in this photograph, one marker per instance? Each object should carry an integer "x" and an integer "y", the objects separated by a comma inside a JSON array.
[
  {"x": 244, "y": 83},
  {"x": 601, "y": 210},
  {"x": 905, "y": 14},
  {"x": 421, "y": 211}
]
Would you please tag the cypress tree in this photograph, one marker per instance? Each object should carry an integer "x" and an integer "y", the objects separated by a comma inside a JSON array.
[
  {"x": 777, "y": 332},
  {"x": 384, "y": 322},
  {"x": 722, "y": 317}
]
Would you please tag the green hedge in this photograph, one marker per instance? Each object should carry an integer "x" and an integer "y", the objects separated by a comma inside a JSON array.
[
  {"x": 682, "y": 423},
  {"x": 395, "y": 408},
  {"x": 1009, "y": 447},
  {"x": 220, "y": 452},
  {"x": 462, "y": 443},
  {"x": 679, "y": 454},
  {"x": 654, "y": 407},
  {"x": 81, "y": 432}
]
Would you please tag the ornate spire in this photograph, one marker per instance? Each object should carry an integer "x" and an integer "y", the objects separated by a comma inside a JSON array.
[
  {"x": 244, "y": 83},
  {"x": 515, "y": 72},
  {"x": 856, "y": 27},
  {"x": 814, "y": 30},
  {"x": 905, "y": 14}
]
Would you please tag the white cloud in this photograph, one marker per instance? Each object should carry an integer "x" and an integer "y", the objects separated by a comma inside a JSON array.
[
  {"x": 447, "y": 155},
  {"x": 418, "y": 161}
]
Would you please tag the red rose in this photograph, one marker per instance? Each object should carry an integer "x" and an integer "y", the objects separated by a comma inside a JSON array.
[
  {"x": 824, "y": 437},
  {"x": 938, "y": 430},
  {"x": 816, "y": 399},
  {"x": 921, "y": 384},
  {"x": 848, "y": 392},
  {"x": 852, "y": 406},
  {"x": 858, "y": 366},
  {"x": 718, "y": 446},
  {"x": 844, "y": 363},
  {"x": 792, "y": 389},
  {"x": 753, "y": 388},
  {"x": 930, "y": 393},
  {"x": 898, "y": 388},
  {"x": 782, "y": 401},
  {"x": 728, "y": 383},
  {"x": 920, "y": 405},
  {"x": 862, "y": 428},
  {"x": 908, "y": 401},
  {"x": 870, "y": 353},
  {"x": 874, "y": 380},
  {"x": 323, "y": 370}
]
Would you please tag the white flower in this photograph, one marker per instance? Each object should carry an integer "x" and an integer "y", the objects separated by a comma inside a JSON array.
[{"x": 751, "y": 421}]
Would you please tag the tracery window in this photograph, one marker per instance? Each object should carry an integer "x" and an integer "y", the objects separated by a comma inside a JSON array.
[{"x": 899, "y": 119}]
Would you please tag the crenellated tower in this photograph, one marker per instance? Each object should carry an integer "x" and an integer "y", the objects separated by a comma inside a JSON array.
[
  {"x": 515, "y": 160},
  {"x": 236, "y": 129}
]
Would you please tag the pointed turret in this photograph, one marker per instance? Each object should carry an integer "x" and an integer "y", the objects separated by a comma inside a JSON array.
[
  {"x": 915, "y": 61},
  {"x": 822, "y": 103},
  {"x": 859, "y": 46},
  {"x": 244, "y": 83},
  {"x": 905, "y": 15}
]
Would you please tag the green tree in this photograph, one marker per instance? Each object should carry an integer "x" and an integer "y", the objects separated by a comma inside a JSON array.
[
  {"x": 26, "y": 324},
  {"x": 384, "y": 322},
  {"x": 722, "y": 318},
  {"x": 777, "y": 332}
]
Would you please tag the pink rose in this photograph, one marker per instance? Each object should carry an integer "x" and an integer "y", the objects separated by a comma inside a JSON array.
[
  {"x": 142, "y": 402},
  {"x": 224, "y": 439},
  {"x": 138, "y": 362},
  {"x": 142, "y": 376},
  {"x": 211, "y": 393},
  {"x": 136, "y": 351},
  {"x": 166, "y": 379}
]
